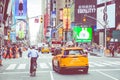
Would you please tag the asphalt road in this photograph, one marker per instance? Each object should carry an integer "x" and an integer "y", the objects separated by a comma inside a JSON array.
[{"x": 101, "y": 68}]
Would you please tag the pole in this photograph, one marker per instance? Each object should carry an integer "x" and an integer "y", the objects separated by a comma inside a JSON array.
[
  {"x": 66, "y": 21},
  {"x": 105, "y": 20}
]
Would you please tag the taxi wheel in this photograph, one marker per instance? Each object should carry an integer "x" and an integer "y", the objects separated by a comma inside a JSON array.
[
  {"x": 53, "y": 66},
  {"x": 59, "y": 69},
  {"x": 85, "y": 70}
]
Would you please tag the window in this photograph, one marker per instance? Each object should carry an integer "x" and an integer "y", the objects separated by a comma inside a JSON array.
[{"x": 73, "y": 52}]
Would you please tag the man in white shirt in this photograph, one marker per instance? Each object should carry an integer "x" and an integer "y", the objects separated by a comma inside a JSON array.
[{"x": 33, "y": 63}]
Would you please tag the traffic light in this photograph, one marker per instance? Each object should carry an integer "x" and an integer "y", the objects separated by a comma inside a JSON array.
[
  {"x": 84, "y": 19},
  {"x": 41, "y": 19}
]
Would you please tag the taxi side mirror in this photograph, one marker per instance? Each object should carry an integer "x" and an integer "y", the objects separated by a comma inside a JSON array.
[{"x": 53, "y": 54}]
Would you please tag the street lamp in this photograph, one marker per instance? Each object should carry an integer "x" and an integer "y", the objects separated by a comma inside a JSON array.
[{"x": 105, "y": 20}]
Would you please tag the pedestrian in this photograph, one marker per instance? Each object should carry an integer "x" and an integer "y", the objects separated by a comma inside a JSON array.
[
  {"x": 8, "y": 52},
  {"x": 1, "y": 53},
  {"x": 112, "y": 50},
  {"x": 33, "y": 54},
  {"x": 20, "y": 51},
  {"x": 101, "y": 50},
  {"x": 14, "y": 51}
]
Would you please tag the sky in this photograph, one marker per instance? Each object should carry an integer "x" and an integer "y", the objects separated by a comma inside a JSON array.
[{"x": 34, "y": 9}]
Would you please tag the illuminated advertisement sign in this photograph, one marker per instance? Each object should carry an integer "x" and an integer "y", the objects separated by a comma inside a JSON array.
[
  {"x": 66, "y": 18},
  {"x": 20, "y": 8},
  {"x": 21, "y": 29},
  {"x": 82, "y": 34},
  {"x": 110, "y": 18},
  {"x": 87, "y": 7},
  {"x": 13, "y": 36}
]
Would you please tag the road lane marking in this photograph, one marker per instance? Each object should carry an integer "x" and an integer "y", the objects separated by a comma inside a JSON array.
[
  {"x": 50, "y": 64},
  {"x": 51, "y": 74},
  {"x": 21, "y": 66},
  {"x": 21, "y": 72},
  {"x": 114, "y": 63},
  {"x": 107, "y": 64},
  {"x": 11, "y": 67},
  {"x": 90, "y": 65},
  {"x": 107, "y": 75},
  {"x": 96, "y": 64},
  {"x": 24, "y": 72},
  {"x": 43, "y": 65}
]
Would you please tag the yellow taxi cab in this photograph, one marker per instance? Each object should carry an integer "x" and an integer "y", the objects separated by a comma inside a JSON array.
[
  {"x": 70, "y": 58},
  {"x": 45, "y": 49}
]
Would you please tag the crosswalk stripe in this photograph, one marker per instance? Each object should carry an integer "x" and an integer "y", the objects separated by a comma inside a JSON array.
[
  {"x": 117, "y": 62},
  {"x": 107, "y": 64},
  {"x": 96, "y": 64},
  {"x": 11, "y": 67},
  {"x": 21, "y": 66},
  {"x": 114, "y": 63},
  {"x": 43, "y": 65},
  {"x": 90, "y": 65},
  {"x": 50, "y": 64}
]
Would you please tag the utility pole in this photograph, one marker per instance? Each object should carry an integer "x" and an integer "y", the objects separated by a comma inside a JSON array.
[{"x": 105, "y": 16}]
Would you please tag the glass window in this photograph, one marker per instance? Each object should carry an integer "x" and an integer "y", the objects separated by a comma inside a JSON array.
[{"x": 73, "y": 52}]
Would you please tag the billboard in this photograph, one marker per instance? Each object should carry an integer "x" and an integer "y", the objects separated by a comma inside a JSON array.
[
  {"x": 66, "y": 18},
  {"x": 21, "y": 29},
  {"x": 13, "y": 36},
  {"x": 20, "y": 8},
  {"x": 102, "y": 1},
  {"x": 87, "y": 7},
  {"x": 82, "y": 34},
  {"x": 110, "y": 18}
]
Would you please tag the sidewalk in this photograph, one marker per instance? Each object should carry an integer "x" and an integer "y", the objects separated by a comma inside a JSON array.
[{"x": 102, "y": 54}]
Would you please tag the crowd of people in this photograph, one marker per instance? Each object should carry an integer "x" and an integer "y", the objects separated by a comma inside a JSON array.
[
  {"x": 10, "y": 51},
  {"x": 16, "y": 50}
]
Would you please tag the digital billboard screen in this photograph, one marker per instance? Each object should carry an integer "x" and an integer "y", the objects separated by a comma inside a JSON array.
[
  {"x": 20, "y": 8},
  {"x": 21, "y": 29},
  {"x": 110, "y": 18},
  {"x": 81, "y": 34}
]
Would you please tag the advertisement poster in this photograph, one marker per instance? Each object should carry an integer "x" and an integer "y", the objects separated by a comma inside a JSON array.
[
  {"x": 82, "y": 34},
  {"x": 20, "y": 8},
  {"x": 110, "y": 18},
  {"x": 21, "y": 29},
  {"x": 85, "y": 7}
]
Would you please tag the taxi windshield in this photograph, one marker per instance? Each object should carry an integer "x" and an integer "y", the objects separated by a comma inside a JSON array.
[{"x": 73, "y": 52}]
